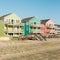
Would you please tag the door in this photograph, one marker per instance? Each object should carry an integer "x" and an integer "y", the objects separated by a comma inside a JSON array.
[{"x": 26, "y": 28}]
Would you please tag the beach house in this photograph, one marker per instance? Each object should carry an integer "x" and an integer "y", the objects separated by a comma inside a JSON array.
[
  {"x": 10, "y": 25},
  {"x": 49, "y": 26},
  {"x": 31, "y": 25}
]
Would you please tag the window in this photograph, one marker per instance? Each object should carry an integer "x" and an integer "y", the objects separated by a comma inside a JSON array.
[
  {"x": 34, "y": 27},
  {"x": 10, "y": 33},
  {"x": 49, "y": 25},
  {"x": 7, "y": 20},
  {"x": 12, "y": 21},
  {"x": 58, "y": 29},
  {"x": 31, "y": 27},
  {"x": 34, "y": 22},
  {"x": 38, "y": 27}
]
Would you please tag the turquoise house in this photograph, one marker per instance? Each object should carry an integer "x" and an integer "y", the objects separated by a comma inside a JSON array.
[{"x": 27, "y": 24}]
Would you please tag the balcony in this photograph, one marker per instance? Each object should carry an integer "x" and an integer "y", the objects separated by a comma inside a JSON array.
[
  {"x": 17, "y": 31},
  {"x": 7, "y": 31},
  {"x": 13, "y": 31},
  {"x": 35, "y": 25},
  {"x": 51, "y": 26},
  {"x": 35, "y": 31},
  {"x": 13, "y": 24}
]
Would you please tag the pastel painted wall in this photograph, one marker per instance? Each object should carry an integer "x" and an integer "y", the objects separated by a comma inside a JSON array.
[
  {"x": 1, "y": 28},
  {"x": 10, "y": 29},
  {"x": 43, "y": 30},
  {"x": 50, "y": 23},
  {"x": 12, "y": 16},
  {"x": 47, "y": 28},
  {"x": 34, "y": 20}
]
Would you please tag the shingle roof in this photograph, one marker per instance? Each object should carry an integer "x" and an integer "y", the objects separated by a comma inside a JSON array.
[
  {"x": 57, "y": 25},
  {"x": 44, "y": 21},
  {"x": 5, "y": 15},
  {"x": 26, "y": 19}
]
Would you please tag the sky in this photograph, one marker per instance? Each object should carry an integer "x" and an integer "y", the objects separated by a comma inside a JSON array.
[{"x": 42, "y": 9}]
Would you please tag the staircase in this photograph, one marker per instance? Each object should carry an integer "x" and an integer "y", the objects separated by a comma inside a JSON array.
[
  {"x": 42, "y": 36},
  {"x": 32, "y": 37},
  {"x": 39, "y": 37}
]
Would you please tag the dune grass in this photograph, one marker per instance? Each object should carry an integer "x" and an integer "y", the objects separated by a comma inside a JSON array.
[{"x": 30, "y": 50}]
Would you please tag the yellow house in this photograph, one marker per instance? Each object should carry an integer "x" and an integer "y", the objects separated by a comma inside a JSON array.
[{"x": 12, "y": 24}]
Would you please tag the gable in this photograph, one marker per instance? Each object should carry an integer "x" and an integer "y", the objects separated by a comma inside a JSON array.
[
  {"x": 50, "y": 22},
  {"x": 34, "y": 20},
  {"x": 12, "y": 16},
  {"x": 30, "y": 19}
]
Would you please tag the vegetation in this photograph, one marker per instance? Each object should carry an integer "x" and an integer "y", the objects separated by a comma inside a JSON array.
[{"x": 30, "y": 50}]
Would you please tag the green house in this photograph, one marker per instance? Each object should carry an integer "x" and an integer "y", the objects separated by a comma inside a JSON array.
[{"x": 28, "y": 24}]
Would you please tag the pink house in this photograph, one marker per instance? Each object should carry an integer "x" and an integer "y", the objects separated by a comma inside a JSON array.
[{"x": 47, "y": 27}]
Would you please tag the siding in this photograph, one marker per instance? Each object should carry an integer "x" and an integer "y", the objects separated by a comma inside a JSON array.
[{"x": 1, "y": 28}]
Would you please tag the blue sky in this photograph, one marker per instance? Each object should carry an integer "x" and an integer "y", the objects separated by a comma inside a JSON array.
[{"x": 42, "y": 9}]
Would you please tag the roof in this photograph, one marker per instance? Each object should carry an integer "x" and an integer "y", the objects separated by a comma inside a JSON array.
[
  {"x": 26, "y": 19},
  {"x": 44, "y": 21},
  {"x": 5, "y": 15},
  {"x": 57, "y": 25}
]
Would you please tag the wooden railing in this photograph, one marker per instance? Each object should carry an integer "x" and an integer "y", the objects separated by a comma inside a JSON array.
[{"x": 14, "y": 24}]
